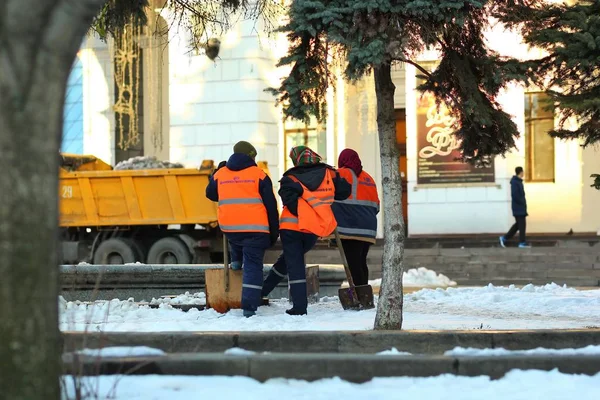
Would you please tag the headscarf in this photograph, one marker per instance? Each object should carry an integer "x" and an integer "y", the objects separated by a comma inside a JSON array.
[
  {"x": 303, "y": 155},
  {"x": 349, "y": 159}
]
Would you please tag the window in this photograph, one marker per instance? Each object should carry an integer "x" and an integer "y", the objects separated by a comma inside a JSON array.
[
  {"x": 539, "y": 146},
  {"x": 299, "y": 134}
]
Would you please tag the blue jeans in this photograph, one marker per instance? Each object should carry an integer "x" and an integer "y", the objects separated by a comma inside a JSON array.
[
  {"x": 249, "y": 249},
  {"x": 291, "y": 263}
]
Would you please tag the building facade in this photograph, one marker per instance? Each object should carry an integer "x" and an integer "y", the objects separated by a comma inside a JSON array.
[{"x": 190, "y": 108}]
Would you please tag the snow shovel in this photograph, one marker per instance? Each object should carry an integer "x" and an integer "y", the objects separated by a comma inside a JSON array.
[
  {"x": 353, "y": 297},
  {"x": 223, "y": 287}
]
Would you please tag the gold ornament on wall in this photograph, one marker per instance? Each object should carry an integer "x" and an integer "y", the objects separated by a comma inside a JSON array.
[{"x": 127, "y": 81}]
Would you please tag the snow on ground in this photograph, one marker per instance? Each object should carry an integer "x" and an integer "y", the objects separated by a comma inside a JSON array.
[
  {"x": 393, "y": 352},
  {"x": 590, "y": 350},
  {"x": 516, "y": 385},
  {"x": 418, "y": 277},
  {"x": 531, "y": 307},
  {"x": 122, "y": 351},
  {"x": 186, "y": 298},
  {"x": 237, "y": 351}
]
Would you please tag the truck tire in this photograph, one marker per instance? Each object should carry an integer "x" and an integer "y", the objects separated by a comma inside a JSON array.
[
  {"x": 169, "y": 250},
  {"x": 138, "y": 249},
  {"x": 114, "y": 251}
]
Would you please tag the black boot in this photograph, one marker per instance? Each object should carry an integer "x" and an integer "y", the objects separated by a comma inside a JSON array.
[{"x": 293, "y": 311}]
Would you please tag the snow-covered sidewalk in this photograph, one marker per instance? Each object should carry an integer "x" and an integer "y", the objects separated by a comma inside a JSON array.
[
  {"x": 516, "y": 385},
  {"x": 531, "y": 307}
]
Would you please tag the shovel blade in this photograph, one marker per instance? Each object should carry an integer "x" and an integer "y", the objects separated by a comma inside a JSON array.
[
  {"x": 365, "y": 298},
  {"x": 217, "y": 297}
]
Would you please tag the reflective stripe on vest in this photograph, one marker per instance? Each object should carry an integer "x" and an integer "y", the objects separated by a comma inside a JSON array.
[
  {"x": 357, "y": 232},
  {"x": 240, "y": 201},
  {"x": 241, "y": 208},
  {"x": 353, "y": 197}
]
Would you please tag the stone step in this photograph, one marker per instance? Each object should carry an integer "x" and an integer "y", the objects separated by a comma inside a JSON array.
[
  {"x": 351, "y": 367},
  {"x": 486, "y": 241},
  {"x": 365, "y": 342}
]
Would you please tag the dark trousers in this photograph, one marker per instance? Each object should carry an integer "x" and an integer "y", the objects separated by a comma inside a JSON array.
[
  {"x": 356, "y": 254},
  {"x": 519, "y": 225},
  {"x": 291, "y": 263},
  {"x": 249, "y": 249}
]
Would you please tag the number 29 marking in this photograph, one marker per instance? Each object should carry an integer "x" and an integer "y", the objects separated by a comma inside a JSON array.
[{"x": 67, "y": 192}]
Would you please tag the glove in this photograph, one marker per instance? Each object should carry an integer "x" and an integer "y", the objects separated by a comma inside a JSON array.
[{"x": 273, "y": 237}]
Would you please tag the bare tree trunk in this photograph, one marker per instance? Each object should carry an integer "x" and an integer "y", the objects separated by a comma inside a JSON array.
[
  {"x": 389, "y": 307},
  {"x": 38, "y": 43}
]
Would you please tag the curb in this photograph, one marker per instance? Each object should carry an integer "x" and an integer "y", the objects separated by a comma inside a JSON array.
[
  {"x": 310, "y": 367},
  {"x": 360, "y": 342}
]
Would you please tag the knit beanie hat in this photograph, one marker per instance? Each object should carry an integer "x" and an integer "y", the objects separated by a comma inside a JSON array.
[
  {"x": 303, "y": 155},
  {"x": 244, "y": 147},
  {"x": 349, "y": 159}
]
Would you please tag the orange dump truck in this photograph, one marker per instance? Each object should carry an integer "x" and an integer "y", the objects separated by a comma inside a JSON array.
[{"x": 154, "y": 216}]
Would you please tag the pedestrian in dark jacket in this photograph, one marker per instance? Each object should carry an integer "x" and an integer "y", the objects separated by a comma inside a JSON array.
[
  {"x": 247, "y": 215},
  {"x": 519, "y": 210},
  {"x": 307, "y": 192}
]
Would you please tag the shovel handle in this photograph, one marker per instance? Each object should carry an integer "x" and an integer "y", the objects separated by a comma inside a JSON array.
[
  {"x": 226, "y": 262},
  {"x": 338, "y": 240}
]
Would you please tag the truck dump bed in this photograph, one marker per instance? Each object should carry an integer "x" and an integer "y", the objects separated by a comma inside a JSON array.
[{"x": 137, "y": 197}]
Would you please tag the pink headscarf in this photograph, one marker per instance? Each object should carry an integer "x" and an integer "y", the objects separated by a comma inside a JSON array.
[{"x": 349, "y": 159}]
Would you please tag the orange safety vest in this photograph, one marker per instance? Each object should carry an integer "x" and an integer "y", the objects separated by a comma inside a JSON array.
[
  {"x": 357, "y": 215},
  {"x": 241, "y": 208},
  {"x": 314, "y": 209}
]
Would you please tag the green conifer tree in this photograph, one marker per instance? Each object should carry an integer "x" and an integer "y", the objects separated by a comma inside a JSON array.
[
  {"x": 569, "y": 33},
  {"x": 368, "y": 36}
]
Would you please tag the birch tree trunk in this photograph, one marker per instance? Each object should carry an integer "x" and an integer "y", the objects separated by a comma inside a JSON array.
[
  {"x": 389, "y": 307},
  {"x": 39, "y": 40}
]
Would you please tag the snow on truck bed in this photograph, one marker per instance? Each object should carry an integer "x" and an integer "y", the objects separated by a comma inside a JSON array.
[{"x": 531, "y": 307}]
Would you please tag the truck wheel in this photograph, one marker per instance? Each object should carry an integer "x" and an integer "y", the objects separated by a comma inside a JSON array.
[
  {"x": 169, "y": 251},
  {"x": 138, "y": 249},
  {"x": 114, "y": 251}
]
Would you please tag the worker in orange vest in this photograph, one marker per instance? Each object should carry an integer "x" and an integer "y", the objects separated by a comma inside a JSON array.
[
  {"x": 357, "y": 215},
  {"x": 307, "y": 192},
  {"x": 247, "y": 215}
]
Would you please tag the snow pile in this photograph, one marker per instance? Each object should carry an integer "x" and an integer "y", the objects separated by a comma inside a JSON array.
[
  {"x": 122, "y": 351},
  {"x": 237, "y": 351},
  {"x": 418, "y": 277},
  {"x": 186, "y": 298},
  {"x": 393, "y": 352},
  {"x": 516, "y": 385},
  {"x": 541, "y": 351},
  {"x": 145, "y": 162},
  {"x": 533, "y": 302},
  {"x": 423, "y": 277},
  {"x": 490, "y": 307}
]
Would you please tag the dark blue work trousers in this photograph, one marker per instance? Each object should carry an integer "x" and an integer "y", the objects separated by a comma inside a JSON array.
[
  {"x": 291, "y": 263},
  {"x": 248, "y": 249}
]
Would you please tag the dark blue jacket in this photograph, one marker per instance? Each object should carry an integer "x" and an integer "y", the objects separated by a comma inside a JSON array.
[
  {"x": 238, "y": 162},
  {"x": 517, "y": 191},
  {"x": 357, "y": 219}
]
